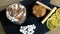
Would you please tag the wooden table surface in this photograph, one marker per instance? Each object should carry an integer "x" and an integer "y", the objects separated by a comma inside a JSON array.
[
  {"x": 1, "y": 29},
  {"x": 5, "y": 3}
]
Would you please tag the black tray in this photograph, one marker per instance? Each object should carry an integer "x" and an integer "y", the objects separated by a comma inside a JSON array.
[{"x": 11, "y": 28}]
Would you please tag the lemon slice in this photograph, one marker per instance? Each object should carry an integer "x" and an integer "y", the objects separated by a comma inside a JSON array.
[
  {"x": 54, "y": 16},
  {"x": 55, "y": 19},
  {"x": 58, "y": 15},
  {"x": 52, "y": 24},
  {"x": 58, "y": 11},
  {"x": 58, "y": 18}
]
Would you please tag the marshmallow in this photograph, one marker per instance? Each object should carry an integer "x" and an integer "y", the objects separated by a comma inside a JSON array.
[{"x": 29, "y": 29}]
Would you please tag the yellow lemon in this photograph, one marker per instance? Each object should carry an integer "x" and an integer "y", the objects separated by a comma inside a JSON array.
[
  {"x": 58, "y": 15},
  {"x": 54, "y": 16},
  {"x": 52, "y": 24},
  {"x": 58, "y": 11}
]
